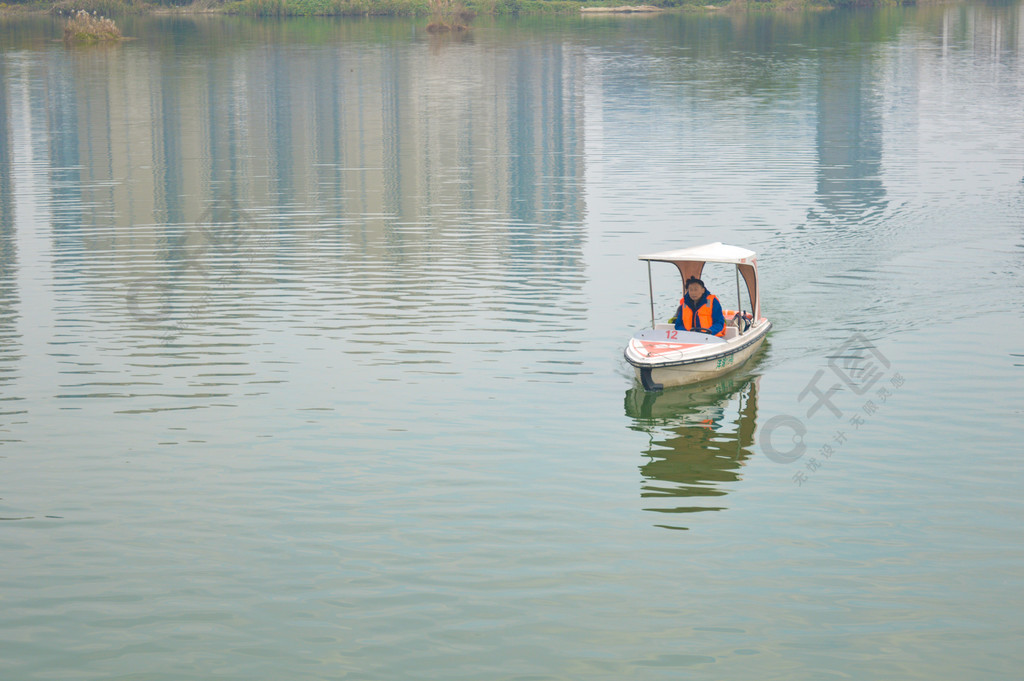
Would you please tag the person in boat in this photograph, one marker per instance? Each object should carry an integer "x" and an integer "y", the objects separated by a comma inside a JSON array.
[{"x": 699, "y": 310}]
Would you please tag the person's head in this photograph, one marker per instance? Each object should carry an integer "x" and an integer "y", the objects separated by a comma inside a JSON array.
[{"x": 694, "y": 288}]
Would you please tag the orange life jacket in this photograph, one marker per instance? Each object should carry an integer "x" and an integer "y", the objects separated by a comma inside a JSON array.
[{"x": 703, "y": 315}]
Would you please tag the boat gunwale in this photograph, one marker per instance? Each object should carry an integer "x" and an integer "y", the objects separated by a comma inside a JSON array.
[{"x": 759, "y": 335}]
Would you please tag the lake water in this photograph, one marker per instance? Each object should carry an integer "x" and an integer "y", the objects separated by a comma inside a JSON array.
[{"x": 311, "y": 349}]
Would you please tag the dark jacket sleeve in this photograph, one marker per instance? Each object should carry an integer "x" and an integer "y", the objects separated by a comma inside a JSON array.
[{"x": 717, "y": 318}]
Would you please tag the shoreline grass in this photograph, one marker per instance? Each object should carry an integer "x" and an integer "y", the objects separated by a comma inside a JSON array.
[
  {"x": 443, "y": 11},
  {"x": 106, "y": 8}
]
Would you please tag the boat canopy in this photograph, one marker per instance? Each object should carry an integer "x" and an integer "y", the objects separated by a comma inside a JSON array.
[{"x": 690, "y": 262}]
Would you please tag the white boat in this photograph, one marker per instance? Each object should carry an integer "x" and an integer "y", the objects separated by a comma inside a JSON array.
[{"x": 664, "y": 357}]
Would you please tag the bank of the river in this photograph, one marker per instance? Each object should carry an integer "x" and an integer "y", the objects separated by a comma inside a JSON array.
[{"x": 281, "y": 8}]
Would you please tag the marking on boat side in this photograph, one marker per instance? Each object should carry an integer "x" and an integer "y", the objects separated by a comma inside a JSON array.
[{"x": 654, "y": 348}]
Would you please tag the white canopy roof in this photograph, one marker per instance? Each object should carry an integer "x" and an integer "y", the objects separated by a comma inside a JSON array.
[
  {"x": 716, "y": 252},
  {"x": 690, "y": 263}
]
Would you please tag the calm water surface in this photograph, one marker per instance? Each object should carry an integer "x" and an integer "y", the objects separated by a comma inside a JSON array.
[{"x": 311, "y": 334}]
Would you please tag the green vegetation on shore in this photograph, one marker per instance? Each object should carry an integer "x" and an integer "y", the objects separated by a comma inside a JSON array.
[
  {"x": 425, "y": 8},
  {"x": 283, "y": 8}
]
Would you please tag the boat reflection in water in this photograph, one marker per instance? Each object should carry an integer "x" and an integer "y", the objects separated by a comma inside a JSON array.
[{"x": 701, "y": 436}]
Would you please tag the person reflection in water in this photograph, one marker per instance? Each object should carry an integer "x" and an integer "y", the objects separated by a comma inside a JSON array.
[{"x": 699, "y": 310}]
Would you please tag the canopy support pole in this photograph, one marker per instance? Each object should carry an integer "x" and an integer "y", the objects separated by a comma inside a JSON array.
[
  {"x": 739, "y": 300},
  {"x": 650, "y": 289}
]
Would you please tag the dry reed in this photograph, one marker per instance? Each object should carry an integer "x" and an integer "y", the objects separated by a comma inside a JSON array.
[{"x": 88, "y": 28}]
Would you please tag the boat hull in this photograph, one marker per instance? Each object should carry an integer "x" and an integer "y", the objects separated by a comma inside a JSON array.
[{"x": 704, "y": 364}]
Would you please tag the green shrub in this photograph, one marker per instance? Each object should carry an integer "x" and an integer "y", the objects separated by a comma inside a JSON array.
[{"x": 507, "y": 6}]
